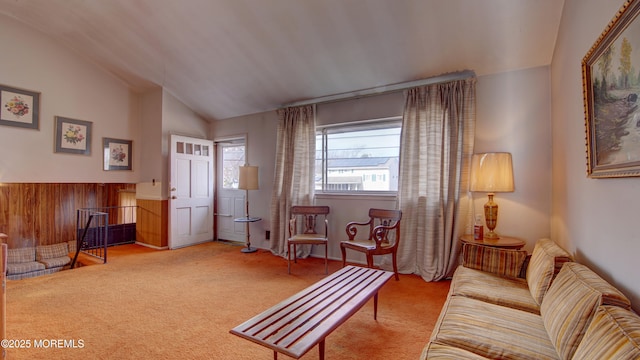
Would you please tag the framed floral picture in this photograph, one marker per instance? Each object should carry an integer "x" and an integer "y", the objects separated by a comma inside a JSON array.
[
  {"x": 72, "y": 136},
  {"x": 19, "y": 107},
  {"x": 117, "y": 154}
]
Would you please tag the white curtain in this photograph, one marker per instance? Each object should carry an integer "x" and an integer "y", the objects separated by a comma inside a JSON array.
[
  {"x": 294, "y": 172},
  {"x": 436, "y": 148}
]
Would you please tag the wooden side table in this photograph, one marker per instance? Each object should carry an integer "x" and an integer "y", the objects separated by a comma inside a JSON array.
[{"x": 504, "y": 242}]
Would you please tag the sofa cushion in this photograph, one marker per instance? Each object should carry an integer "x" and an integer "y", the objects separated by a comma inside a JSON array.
[
  {"x": 72, "y": 245},
  {"x": 24, "y": 267},
  {"x": 56, "y": 262},
  {"x": 546, "y": 261},
  {"x": 492, "y": 331},
  {"x": 435, "y": 350},
  {"x": 21, "y": 255},
  {"x": 44, "y": 252},
  {"x": 570, "y": 304},
  {"x": 493, "y": 288},
  {"x": 501, "y": 262},
  {"x": 614, "y": 333}
]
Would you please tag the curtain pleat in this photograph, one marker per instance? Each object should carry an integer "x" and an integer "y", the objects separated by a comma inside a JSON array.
[
  {"x": 436, "y": 148},
  {"x": 294, "y": 172}
]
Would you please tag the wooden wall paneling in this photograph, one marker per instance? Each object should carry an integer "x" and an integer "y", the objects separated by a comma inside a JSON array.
[
  {"x": 17, "y": 220},
  {"x": 152, "y": 222},
  {"x": 67, "y": 210},
  {"x": 28, "y": 211},
  {"x": 4, "y": 208},
  {"x": 63, "y": 207},
  {"x": 45, "y": 213},
  {"x": 111, "y": 199},
  {"x": 79, "y": 198},
  {"x": 44, "y": 205}
]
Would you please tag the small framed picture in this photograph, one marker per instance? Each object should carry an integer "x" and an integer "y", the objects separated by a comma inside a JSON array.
[
  {"x": 19, "y": 108},
  {"x": 72, "y": 136},
  {"x": 117, "y": 154}
]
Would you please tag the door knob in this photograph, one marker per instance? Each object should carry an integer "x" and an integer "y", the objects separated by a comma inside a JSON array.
[
  {"x": 174, "y": 197},
  {"x": 173, "y": 189}
]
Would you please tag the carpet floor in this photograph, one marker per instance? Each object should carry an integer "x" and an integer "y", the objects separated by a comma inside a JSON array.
[{"x": 181, "y": 304}]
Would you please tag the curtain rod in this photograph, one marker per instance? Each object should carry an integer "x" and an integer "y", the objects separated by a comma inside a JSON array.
[{"x": 385, "y": 88}]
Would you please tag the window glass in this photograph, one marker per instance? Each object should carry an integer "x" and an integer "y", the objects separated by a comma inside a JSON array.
[
  {"x": 359, "y": 157},
  {"x": 232, "y": 159},
  {"x": 127, "y": 207}
]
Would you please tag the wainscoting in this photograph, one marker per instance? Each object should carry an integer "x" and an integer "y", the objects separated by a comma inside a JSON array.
[
  {"x": 152, "y": 226},
  {"x": 34, "y": 214}
]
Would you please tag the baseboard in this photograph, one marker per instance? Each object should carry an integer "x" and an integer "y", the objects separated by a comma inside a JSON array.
[{"x": 152, "y": 246}]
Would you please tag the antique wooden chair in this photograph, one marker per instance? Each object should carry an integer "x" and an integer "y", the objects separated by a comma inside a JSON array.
[
  {"x": 302, "y": 230},
  {"x": 382, "y": 238}
]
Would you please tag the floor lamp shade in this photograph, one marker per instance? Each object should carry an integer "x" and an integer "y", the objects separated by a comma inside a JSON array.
[
  {"x": 248, "y": 178},
  {"x": 491, "y": 173}
]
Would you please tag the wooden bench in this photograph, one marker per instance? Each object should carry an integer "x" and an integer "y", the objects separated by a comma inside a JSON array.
[{"x": 298, "y": 323}]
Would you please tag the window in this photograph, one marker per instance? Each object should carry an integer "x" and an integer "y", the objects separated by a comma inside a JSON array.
[
  {"x": 359, "y": 157},
  {"x": 127, "y": 207},
  {"x": 232, "y": 158}
]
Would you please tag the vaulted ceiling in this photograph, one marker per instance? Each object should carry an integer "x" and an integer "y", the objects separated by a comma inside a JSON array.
[{"x": 226, "y": 58}]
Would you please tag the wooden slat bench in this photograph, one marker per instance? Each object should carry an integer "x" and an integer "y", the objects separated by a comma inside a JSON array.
[{"x": 298, "y": 323}]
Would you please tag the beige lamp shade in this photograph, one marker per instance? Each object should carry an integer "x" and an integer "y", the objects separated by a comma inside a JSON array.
[
  {"x": 492, "y": 172},
  {"x": 248, "y": 178}
]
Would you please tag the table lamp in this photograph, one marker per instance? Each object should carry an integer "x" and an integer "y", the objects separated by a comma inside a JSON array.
[
  {"x": 248, "y": 180},
  {"x": 491, "y": 173}
]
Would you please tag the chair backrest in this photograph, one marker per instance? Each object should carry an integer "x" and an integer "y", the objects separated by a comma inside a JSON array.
[
  {"x": 383, "y": 224},
  {"x": 309, "y": 216},
  {"x": 390, "y": 222}
]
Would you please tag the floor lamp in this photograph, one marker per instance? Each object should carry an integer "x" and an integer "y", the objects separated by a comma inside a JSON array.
[
  {"x": 248, "y": 180},
  {"x": 491, "y": 173}
]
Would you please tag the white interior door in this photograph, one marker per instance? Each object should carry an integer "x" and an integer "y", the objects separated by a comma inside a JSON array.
[
  {"x": 230, "y": 201},
  {"x": 191, "y": 191}
]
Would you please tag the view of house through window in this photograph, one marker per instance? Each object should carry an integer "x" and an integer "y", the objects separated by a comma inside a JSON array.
[{"x": 359, "y": 157}]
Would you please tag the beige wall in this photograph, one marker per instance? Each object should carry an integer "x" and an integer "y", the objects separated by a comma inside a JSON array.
[
  {"x": 152, "y": 164},
  {"x": 260, "y": 133},
  {"x": 595, "y": 219},
  {"x": 70, "y": 87},
  {"x": 74, "y": 88},
  {"x": 513, "y": 115}
]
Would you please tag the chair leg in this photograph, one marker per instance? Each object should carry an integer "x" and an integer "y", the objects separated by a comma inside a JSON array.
[
  {"x": 369, "y": 260},
  {"x": 395, "y": 267},
  {"x": 326, "y": 259},
  {"x": 288, "y": 259},
  {"x": 344, "y": 255}
]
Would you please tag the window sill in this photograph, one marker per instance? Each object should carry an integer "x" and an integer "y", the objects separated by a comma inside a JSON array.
[{"x": 359, "y": 196}]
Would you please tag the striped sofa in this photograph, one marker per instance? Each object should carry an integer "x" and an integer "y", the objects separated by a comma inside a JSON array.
[{"x": 505, "y": 304}]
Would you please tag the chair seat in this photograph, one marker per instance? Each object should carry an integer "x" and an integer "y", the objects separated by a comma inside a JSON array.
[
  {"x": 303, "y": 231},
  {"x": 383, "y": 236},
  {"x": 363, "y": 244},
  {"x": 308, "y": 239}
]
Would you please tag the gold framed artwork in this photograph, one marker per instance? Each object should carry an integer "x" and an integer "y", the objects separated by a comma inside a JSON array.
[
  {"x": 611, "y": 90},
  {"x": 20, "y": 108},
  {"x": 117, "y": 154},
  {"x": 72, "y": 136}
]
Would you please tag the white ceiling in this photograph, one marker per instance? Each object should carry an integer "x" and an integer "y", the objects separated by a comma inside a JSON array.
[{"x": 226, "y": 58}]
